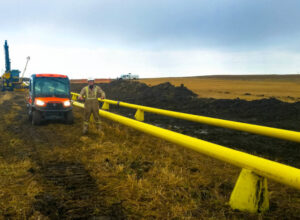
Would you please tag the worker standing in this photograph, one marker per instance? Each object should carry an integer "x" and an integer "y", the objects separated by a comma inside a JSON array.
[{"x": 90, "y": 94}]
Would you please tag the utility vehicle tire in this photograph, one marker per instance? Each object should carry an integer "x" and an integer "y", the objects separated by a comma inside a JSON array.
[
  {"x": 69, "y": 117},
  {"x": 36, "y": 118},
  {"x": 29, "y": 115}
]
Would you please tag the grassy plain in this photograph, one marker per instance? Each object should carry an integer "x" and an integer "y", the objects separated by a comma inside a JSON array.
[{"x": 248, "y": 87}]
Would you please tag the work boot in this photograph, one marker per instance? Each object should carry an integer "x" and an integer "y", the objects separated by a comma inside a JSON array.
[
  {"x": 98, "y": 125},
  {"x": 85, "y": 129}
]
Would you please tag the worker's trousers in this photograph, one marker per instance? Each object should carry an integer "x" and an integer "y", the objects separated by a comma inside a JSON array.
[{"x": 91, "y": 106}]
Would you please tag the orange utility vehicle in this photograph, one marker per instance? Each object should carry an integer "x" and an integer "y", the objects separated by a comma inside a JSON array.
[{"x": 49, "y": 98}]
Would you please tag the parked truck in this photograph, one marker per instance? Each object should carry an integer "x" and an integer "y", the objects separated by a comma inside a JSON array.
[{"x": 129, "y": 76}]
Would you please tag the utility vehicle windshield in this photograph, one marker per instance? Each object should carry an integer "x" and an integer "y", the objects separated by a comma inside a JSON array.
[{"x": 51, "y": 87}]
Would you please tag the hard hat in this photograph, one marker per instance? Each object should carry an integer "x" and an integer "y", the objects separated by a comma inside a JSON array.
[{"x": 91, "y": 78}]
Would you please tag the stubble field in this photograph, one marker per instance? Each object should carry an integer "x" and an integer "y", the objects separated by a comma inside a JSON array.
[{"x": 282, "y": 87}]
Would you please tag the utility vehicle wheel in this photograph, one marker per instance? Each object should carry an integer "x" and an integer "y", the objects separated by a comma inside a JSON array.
[
  {"x": 36, "y": 118},
  {"x": 29, "y": 115},
  {"x": 69, "y": 117}
]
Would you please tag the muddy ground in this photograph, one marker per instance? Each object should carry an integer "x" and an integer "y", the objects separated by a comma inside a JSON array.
[
  {"x": 267, "y": 112},
  {"x": 52, "y": 171},
  {"x": 71, "y": 191}
]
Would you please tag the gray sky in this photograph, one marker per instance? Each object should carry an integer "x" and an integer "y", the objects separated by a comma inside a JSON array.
[{"x": 105, "y": 38}]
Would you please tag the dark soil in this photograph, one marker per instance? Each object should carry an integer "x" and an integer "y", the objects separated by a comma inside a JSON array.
[
  {"x": 268, "y": 112},
  {"x": 70, "y": 192}
]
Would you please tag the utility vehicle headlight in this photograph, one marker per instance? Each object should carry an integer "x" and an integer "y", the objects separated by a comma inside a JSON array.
[
  {"x": 39, "y": 102},
  {"x": 67, "y": 103}
]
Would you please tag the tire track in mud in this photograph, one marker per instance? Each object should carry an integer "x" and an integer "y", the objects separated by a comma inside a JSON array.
[{"x": 69, "y": 191}]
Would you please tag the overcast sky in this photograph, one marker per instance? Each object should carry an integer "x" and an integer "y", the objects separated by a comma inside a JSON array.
[{"x": 152, "y": 38}]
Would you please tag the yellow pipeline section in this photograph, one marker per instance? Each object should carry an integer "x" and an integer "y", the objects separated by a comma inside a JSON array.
[
  {"x": 240, "y": 126},
  {"x": 279, "y": 172}
]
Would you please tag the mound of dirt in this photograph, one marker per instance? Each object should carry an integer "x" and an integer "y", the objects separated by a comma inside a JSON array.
[
  {"x": 132, "y": 91},
  {"x": 168, "y": 96}
]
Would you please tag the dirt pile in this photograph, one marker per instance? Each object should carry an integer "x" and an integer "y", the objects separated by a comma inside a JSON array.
[
  {"x": 133, "y": 91},
  {"x": 182, "y": 99}
]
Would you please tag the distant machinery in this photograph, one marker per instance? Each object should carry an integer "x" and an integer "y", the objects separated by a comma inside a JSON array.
[
  {"x": 129, "y": 76},
  {"x": 10, "y": 80},
  {"x": 22, "y": 84}
]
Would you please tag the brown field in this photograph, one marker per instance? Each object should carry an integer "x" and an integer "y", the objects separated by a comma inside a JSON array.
[
  {"x": 52, "y": 172},
  {"x": 282, "y": 87}
]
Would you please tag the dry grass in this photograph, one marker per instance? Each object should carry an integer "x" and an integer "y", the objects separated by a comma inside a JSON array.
[
  {"x": 151, "y": 178},
  {"x": 17, "y": 185},
  {"x": 17, "y": 189},
  {"x": 5, "y": 97},
  {"x": 154, "y": 179},
  {"x": 147, "y": 178},
  {"x": 136, "y": 175},
  {"x": 285, "y": 88}
]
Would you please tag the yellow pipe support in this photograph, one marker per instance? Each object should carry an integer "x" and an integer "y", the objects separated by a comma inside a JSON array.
[
  {"x": 240, "y": 126},
  {"x": 105, "y": 106},
  {"x": 74, "y": 96},
  {"x": 279, "y": 172},
  {"x": 139, "y": 115},
  {"x": 250, "y": 193}
]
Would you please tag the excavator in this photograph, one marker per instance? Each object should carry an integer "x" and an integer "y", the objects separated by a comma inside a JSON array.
[{"x": 11, "y": 80}]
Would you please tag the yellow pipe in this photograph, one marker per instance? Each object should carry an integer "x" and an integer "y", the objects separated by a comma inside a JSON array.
[
  {"x": 279, "y": 172},
  {"x": 240, "y": 126}
]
